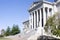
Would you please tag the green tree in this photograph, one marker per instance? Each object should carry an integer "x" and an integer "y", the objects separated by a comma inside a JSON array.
[
  {"x": 8, "y": 31},
  {"x": 15, "y": 30},
  {"x": 2, "y": 33},
  {"x": 50, "y": 23},
  {"x": 54, "y": 24}
]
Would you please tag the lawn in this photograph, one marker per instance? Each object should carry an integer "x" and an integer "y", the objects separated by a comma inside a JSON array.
[{"x": 4, "y": 39}]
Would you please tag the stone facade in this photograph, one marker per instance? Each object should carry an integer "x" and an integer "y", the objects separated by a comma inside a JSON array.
[{"x": 40, "y": 11}]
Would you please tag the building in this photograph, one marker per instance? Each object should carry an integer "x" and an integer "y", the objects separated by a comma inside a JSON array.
[
  {"x": 26, "y": 26},
  {"x": 40, "y": 11}
]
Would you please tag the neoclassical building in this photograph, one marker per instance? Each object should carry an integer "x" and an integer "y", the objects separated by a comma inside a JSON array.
[{"x": 40, "y": 11}]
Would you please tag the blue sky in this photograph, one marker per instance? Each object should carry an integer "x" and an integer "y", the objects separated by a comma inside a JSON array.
[{"x": 14, "y": 12}]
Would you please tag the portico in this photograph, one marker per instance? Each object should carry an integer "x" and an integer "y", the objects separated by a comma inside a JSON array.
[{"x": 40, "y": 16}]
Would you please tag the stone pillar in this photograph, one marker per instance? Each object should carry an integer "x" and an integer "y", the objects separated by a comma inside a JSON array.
[
  {"x": 40, "y": 19},
  {"x": 30, "y": 21},
  {"x": 37, "y": 18},
  {"x": 48, "y": 13},
  {"x": 44, "y": 16},
  {"x": 53, "y": 11},
  {"x": 34, "y": 20}
]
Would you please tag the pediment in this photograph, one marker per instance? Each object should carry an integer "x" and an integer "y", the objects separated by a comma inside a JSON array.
[{"x": 34, "y": 4}]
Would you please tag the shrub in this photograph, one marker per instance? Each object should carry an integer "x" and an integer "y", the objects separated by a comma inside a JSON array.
[{"x": 1, "y": 36}]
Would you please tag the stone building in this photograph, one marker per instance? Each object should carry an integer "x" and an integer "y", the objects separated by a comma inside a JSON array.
[{"x": 39, "y": 12}]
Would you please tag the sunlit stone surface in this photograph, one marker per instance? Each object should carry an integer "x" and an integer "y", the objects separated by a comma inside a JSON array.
[{"x": 39, "y": 12}]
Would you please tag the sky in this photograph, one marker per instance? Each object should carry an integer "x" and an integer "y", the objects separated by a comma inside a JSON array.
[{"x": 14, "y": 12}]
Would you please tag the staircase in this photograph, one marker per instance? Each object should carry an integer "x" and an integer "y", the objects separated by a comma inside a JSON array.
[
  {"x": 29, "y": 34},
  {"x": 33, "y": 34}
]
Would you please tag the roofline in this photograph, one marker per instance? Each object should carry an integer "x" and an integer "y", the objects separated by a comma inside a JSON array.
[
  {"x": 25, "y": 21},
  {"x": 47, "y": 2}
]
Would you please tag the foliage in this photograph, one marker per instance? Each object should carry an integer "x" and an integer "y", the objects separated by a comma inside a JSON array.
[
  {"x": 2, "y": 32},
  {"x": 8, "y": 31},
  {"x": 54, "y": 24},
  {"x": 15, "y": 30},
  {"x": 5, "y": 38},
  {"x": 11, "y": 31},
  {"x": 1, "y": 36}
]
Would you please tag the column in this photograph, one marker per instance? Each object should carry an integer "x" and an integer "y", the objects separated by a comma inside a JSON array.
[
  {"x": 48, "y": 12},
  {"x": 44, "y": 16},
  {"x": 30, "y": 21},
  {"x": 37, "y": 18},
  {"x": 34, "y": 20},
  {"x": 52, "y": 11},
  {"x": 40, "y": 19}
]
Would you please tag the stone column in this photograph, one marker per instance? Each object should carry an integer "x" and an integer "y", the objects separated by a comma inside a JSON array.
[
  {"x": 30, "y": 21},
  {"x": 48, "y": 13},
  {"x": 40, "y": 19},
  {"x": 37, "y": 18},
  {"x": 34, "y": 20},
  {"x": 52, "y": 11},
  {"x": 44, "y": 16}
]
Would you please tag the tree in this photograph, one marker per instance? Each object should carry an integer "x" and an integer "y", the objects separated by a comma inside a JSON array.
[
  {"x": 2, "y": 32},
  {"x": 50, "y": 23},
  {"x": 15, "y": 30},
  {"x": 8, "y": 32},
  {"x": 54, "y": 24}
]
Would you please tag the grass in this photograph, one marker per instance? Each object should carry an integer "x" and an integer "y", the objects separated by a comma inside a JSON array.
[{"x": 4, "y": 39}]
